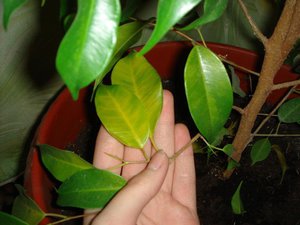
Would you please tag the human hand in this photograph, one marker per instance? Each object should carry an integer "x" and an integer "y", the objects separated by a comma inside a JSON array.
[{"x": 157, "y": 193}]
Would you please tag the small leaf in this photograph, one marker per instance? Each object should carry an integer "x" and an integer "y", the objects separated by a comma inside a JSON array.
[
  {"x": 282, "y": 160},
  {"x": 169, "y": 12},
  {"x": 235, "y": 81},
  {"x": 260, "y": 150},
  {"x": 213, "y": 9},
  {"x": 61, "y": 163},
  {"x": 289, "y": 112},
  {"x": 208, "y": 91},
  {"x": 141, "y": 78},
  {"x": 26, "y": 209},
  {"x": 123, "y": 115},
  {"x": 9, "y": 6},
  {"x": 91, "y": 188},
  {"x": 128, "y": 34},
  {"x": 232, "y": 164},
  {"x": 236, "y": 201},
  {"x": 88, "y": 45},
  {"x": 8, "y": 219},
  {"x": 228, "y": 149}
]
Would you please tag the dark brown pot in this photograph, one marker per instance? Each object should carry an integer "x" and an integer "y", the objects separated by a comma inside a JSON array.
[{"x": 65, "y": 118}]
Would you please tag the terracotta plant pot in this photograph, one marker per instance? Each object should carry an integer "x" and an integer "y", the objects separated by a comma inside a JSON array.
[{"x": 65, "y": 118}]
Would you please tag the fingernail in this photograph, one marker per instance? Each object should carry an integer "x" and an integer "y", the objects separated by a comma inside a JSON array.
[{"x": 157, "y": 160}]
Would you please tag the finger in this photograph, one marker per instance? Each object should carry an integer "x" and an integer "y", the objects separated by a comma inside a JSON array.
[
  {"x": 184, "y": 184},
  {"x": 135, "y": 155},
  {"x": 105, "y": 143},
  {"x": 164, "y": 135},
  {"x": 128, "y": 204}
]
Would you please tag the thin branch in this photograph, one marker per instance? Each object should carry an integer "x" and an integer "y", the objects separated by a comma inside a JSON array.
[
  {"x": 238, "y": 109},
  {"x": 276, "y": 135},
  {"x": 273, "y": 111},
  {"x": 286, "y": 84},
  {"x": 256, "y": 30}
]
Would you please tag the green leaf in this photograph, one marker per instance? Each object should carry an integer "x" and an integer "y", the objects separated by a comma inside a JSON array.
[
  {"x": 122, "y": 114},
  {"x": 208, "y": 91},
  {"x": 130, "y": 7},
  {"x": 282, "y": 160},
  {"x": 91, "y": 188},
  {"x": 232, "y": 164},
  {"x": 220, "y": 136},
  {"x": 236, "y": 202},
  {"x": 8, "y": 219},
  {"x": 128, "y": 34},
  {"x": 88, "y": 45},
  {"x": 61, "y": 163},
  {"x": 289, "y": 112},
  {"x": 235, "y": 81},
  {"x": 26, "y": 209},
  {"x": 9, "y": 6},
  {"x": 213, "y": 9},
  {"x": 260, "y": 150},
  {"x": 169, "y": 12},
  {"x": 228, "y": 149},
  {"x": 137, "y": 74}
]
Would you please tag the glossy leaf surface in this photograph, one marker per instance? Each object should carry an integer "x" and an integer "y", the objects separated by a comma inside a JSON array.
[
  {"x": 8, "y": 219},
  {"x": 236, "y": 201},
  {"x": 169, "y": 12},
  {"x": 26, "y": 209},
  {"x": 137, "y": 74},
  {"x": 260, "y": 150},
  {"x": 213, "y": 9},
  {"x": 89, "y": 43},
  {"x": 122, "y": 114},
  {"x": 9, "y": 6},
  {"x": 61, "y": 163},
  {"x": 91, "y": 188},
  {"x": 289, "y": 112},
  {"x": 208, "y": 91},
  {"x": 128, "y": 34}
]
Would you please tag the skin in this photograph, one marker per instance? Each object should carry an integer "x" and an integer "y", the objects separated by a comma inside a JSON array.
[{"x": 162, "y": 192}]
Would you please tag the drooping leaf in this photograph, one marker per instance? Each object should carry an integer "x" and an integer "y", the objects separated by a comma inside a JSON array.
[
  {"x": 220, "y": 136},
  {"x": 232, "y": 164},
  {"x": 208, "y": 91},
  {"x": 282, "y": 160},
  {"x": 236, "y": 201},
  {"x": 260, "y": 150},
  {"x": 228, "y": 149},
  {"x": 9, "y": 6},
  {"x": 169, "y": 12},
  {"x": 122, "y": 114},
  {"x": 91, "y": 188},
  {"x": 137, "y": 74},
  {"x": 128, "y": 34},
  {"x": 130, "y": 7},
  {"x": 8, "y": 219},
  {"x": 88, "y": 45},
  {"x": 235, "y": 81},
  {"x": 213, "y": 9},
  {"x": 26, "y": 209},
  {"x": 61, "y": 163},
  {"x": 289, "y": 112}
]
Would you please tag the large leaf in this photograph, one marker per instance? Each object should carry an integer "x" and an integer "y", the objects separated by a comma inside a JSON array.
[
  {"x": 8, "y": 219},
  {"x": 260, "y": 150},
  {"x": 169, "y": 12},
  {"x": 213, "y": 9},
  {"x": 128, "y": 34},
  {"x": 289, "y": 112},
  {"x": 122, "y": 114},
  {"x": 89, "y": 43},
  {"x": 26, "y": 209},
  {"x": 27, "y": 81},
  {"x": 208, "y": 91},
  {"x": 236, "y": 201},
  {"x": 61, "y": 163},
  {"x": 141, "y": 78},
  {"x": 91, "y": 188},
  {"x": 9, "y": 6}
]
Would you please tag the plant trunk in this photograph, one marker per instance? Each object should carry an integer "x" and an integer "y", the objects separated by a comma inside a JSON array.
[{"x": 277, "y": 47}]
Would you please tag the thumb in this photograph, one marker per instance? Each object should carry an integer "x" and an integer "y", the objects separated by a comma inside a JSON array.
[{"x": 128, "y": 204}]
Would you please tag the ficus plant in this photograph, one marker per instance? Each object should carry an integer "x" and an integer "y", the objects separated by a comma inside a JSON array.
[{"x": 97, "y": 42}]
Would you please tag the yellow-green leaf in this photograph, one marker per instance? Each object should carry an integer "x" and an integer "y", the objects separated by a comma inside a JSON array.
[
  {"x": 282, "y": 160},
  {"x": 122, "y": 114},
  {"x": 141, "y": 78}
]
